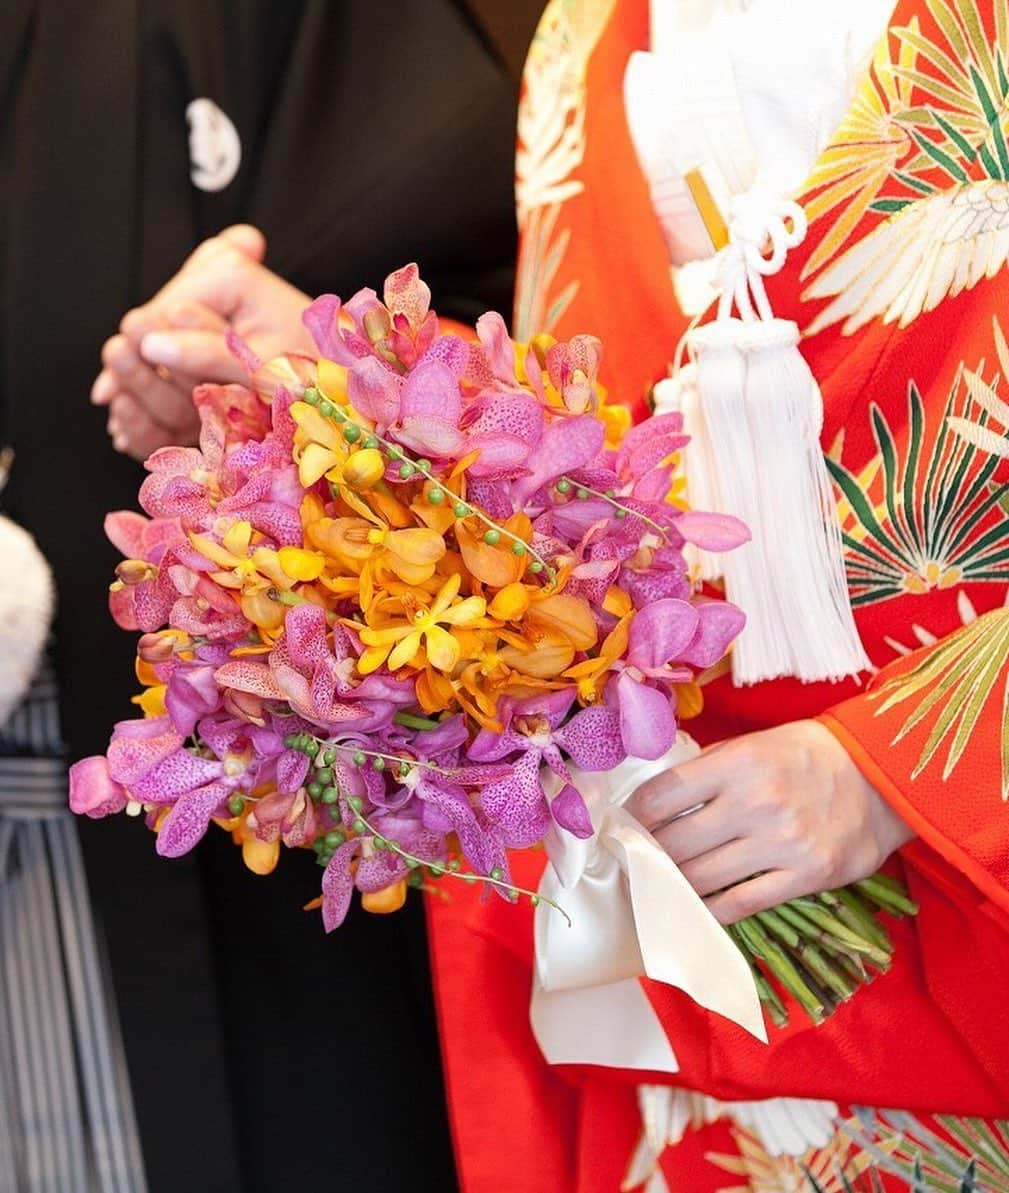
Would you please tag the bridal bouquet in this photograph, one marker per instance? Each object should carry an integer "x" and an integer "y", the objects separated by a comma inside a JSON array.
[{"x": 390, "y": 591}]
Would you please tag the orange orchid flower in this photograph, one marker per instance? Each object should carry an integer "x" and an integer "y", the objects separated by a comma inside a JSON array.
[
  {"x": 254, "y": 571},
  {"x": 259, "y": 856},
  {"x": 591, "y": 674},
  {"x": 412, "y": 554},
  {"x": 400, "y": 642}
]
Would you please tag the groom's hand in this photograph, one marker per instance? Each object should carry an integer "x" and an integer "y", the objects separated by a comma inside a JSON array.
[
  {"x": 779, "y": 814},
  {"x": 177, "y": 339}
]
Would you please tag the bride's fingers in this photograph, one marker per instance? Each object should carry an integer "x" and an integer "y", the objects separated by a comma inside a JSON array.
[
  {"x": 677, "y": 790},
  {"x": 196, "y": 316},
  {"x": 726, "y": 865},
  {"x": 136, "y": 323},
  {"x": 695, "y": 833},
  {"x": 685, "y": 786},
  {"x": 755, "y": 895}
]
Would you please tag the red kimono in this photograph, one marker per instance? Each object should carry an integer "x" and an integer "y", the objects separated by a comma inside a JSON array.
[{"x": 900, "y": 288}]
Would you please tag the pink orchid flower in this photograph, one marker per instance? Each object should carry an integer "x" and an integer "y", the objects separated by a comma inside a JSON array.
[
  {"x": 573, "y": 368},
  {"x": 402, "y": 326},
  {"x": 565, "y": 446},
  {"x": 288, "y": 816},
  {"x": 315, "y": 678},
  {"x": 147, "y": 761},
  {"x": 666, "y": 640},
  {"x": 505, "y": 429},
  {"x": 534, "y": 729},
  {"x": 421, "y": 412},
  {"x": 93, "y": 791}
]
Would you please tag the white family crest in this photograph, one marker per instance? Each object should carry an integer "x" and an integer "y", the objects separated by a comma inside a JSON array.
[{"x": 215, "y": 149}]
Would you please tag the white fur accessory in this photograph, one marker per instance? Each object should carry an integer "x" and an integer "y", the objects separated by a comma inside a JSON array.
[{"x": 27, "y": 601}]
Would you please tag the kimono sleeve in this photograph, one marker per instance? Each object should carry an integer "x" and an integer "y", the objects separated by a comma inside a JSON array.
[{"x": 931, "y": 733}]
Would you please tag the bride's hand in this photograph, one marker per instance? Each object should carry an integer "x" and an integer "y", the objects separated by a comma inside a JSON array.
[
  {"x": 785, "y": 813},
  {"x": 177, "y": 339}
]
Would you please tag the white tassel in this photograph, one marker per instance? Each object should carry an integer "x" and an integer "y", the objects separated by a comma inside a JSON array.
[
  {"x": 804, "y": 581},
  {"x": 733, "y": 476},
  {"x": 757, "y": 412}
]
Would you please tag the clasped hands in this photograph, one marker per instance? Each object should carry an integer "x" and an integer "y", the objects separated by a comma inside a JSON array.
[
  {"x": 751, "y": 822},
  {"x": 177, "y": 340}
]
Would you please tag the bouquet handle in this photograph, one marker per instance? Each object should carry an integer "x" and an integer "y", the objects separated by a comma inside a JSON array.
[{"x": 633, "y": 915}]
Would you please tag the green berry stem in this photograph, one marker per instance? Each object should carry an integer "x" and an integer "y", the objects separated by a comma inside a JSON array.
[
  {"x": 438, "y": 869},
  {"x": 322, "y": 747},
  {"x": 399, "y": 760},
  {"x": 624, "y": 510},
  {"x": 515, "y": 541},
  {"x": 422, "y": 468}
]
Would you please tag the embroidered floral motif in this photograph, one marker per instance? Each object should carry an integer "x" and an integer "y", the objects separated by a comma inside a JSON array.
[
  {"x": 955, "y": 681},
  {"x": 832, "y": 1169},
  {"x": 925, "y": 145},
  {"x": 551, "y": 147},
  {"x": 970, "y": 1156},
  {"x": 931, "y": 516},
  {"x": 992, "y": 406},
  {"x": 877, "y": 1150}
]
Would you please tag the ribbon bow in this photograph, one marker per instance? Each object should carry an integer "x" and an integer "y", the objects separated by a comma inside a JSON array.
[{"x": 633, "y": 915}]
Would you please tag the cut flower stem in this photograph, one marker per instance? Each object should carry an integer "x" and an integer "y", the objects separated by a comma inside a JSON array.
[{"x": 821, "y": 948}]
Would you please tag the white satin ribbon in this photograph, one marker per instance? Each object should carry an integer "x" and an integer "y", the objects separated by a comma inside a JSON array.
[{"x": 633, "y": 915}]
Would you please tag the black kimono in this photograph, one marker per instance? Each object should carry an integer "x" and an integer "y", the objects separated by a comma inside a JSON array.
[{"x": 359, "y": 135}]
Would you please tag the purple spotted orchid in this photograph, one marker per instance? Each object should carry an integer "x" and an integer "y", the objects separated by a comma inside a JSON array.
[
  {"x": 312, "y": 668},
  {"x": 147, "y": 761},
  {"x": 402, "y": 326},
  {"x": 535, "y": 733}
]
